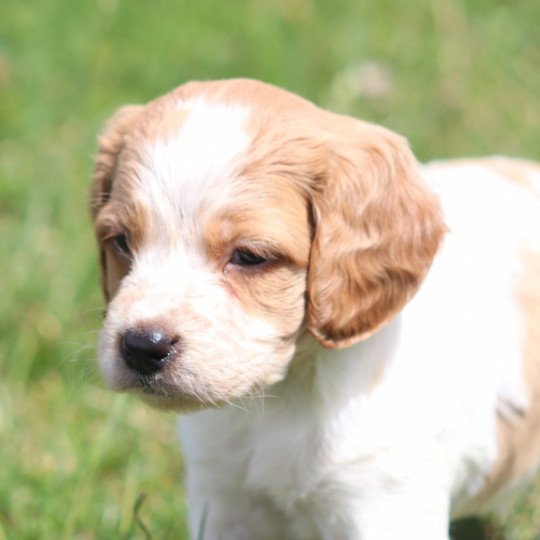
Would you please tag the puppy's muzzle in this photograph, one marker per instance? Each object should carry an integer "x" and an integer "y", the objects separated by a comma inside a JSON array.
[{"x": 146, "y": 351}]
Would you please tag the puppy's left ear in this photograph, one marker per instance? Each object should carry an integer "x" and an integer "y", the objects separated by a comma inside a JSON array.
[{"x": 377, "y": 229}]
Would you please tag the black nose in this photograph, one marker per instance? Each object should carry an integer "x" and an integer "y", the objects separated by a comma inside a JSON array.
[{"x": 146, "y": 351}]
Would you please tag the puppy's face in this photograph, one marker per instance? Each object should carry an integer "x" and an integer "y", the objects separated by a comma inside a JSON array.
[{"x": 232, "y": 216}]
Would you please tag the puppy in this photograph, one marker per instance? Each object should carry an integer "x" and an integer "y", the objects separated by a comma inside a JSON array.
[{"x": 355, "y": 338}]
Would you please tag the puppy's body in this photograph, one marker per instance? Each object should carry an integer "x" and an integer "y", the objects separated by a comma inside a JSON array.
[
  {"x": 372, "y": 414},
  {"x": 398, "y": 431}
]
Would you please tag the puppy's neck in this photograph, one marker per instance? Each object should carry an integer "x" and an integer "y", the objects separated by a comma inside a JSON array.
[{"x": 327, "y": 379}]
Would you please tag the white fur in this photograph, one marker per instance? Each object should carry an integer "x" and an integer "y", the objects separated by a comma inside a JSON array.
[
  {"x": 340, "y": 456},
  {"x": 181, "y": 178},
  {"x": 384, "y": 440},
  {"x": 187, "y": 168}
]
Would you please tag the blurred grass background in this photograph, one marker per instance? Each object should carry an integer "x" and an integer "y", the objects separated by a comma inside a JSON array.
[{"x": 455, "y": 77}]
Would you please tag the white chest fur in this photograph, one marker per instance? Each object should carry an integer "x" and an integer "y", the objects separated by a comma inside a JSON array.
[{"x": 407, "y": 417}]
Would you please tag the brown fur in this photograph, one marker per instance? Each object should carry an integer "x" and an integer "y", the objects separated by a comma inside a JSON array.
[
  {"x": 271, "y": 222},
  {"x": 374, "y": 198},
  {"x": 519, "y": 437},
  {"x": 362, "y": 184},
  {"x": 359, "y": 181},
  {"x": 111, "y": 144},
  {"x": 121, "y": 215},
  {"x": 112, "y": 205}
]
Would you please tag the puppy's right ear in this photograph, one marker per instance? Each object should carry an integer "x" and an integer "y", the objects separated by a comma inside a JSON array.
[{"x": 111, "y": 141}]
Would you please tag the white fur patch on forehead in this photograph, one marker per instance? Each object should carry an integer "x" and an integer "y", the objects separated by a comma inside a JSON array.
[{"x": 193, "y": 161}]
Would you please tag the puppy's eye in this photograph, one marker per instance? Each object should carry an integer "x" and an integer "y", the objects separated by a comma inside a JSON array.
[
  {"x": 244, "y": 257},
  {"x": 121, "y": 245}
]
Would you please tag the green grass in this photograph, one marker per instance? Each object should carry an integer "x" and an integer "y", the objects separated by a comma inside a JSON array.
[{"x": 455, "y": 77}]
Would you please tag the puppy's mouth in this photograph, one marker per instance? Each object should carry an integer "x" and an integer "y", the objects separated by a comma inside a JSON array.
[
  {"x": 144, "y": 362},
  {"x": 149, "y": 384},
  {"x": 165, "y": 391},
  {"x": 137, "y": 383},
  {"x": 173, "y": 377},
  {"x": 154, "y": 384},
  {"x": 154, "y": 391}
]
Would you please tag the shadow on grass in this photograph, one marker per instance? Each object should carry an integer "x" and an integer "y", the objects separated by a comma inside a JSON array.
[{"x": 475, "y": 529}]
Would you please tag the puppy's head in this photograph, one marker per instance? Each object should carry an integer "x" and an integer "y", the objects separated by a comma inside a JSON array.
[{"x": 232, "y": 216}]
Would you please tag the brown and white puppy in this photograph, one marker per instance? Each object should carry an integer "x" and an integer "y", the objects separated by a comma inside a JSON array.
[{"x": 356, "y": 338}]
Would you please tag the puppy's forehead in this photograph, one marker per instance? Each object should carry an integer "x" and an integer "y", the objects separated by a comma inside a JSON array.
[{"x": 188, "y": 155}]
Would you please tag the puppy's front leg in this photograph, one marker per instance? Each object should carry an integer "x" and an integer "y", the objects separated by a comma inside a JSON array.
[
  {"x": 384, "y": 524},
  {"x": 217, "y": 499},
  {"x": 382, "y": 512},
  {"x": 229, "y": 514}
]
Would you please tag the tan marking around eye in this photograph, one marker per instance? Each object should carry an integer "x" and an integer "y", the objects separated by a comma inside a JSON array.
[
  {"x": 116, "y": 268},
  {"x": 267, "y": 211},
  {"x": 275, "y": 217}
]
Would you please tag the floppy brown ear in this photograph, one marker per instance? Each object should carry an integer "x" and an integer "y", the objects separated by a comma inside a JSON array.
[
  {"x": 378, "y": 228},
  {"x": 111, "y": 141},
  {"x": 110, "y": 144}
]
